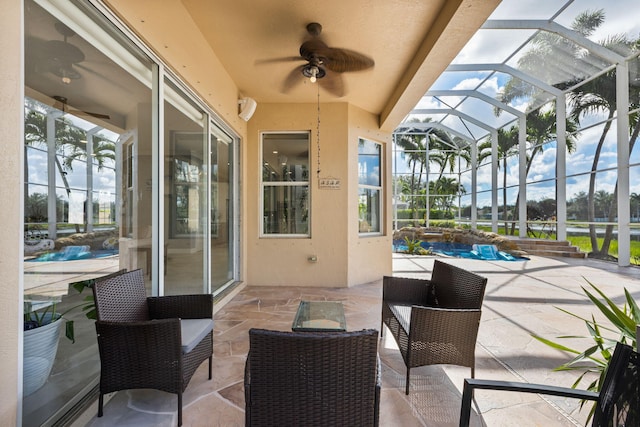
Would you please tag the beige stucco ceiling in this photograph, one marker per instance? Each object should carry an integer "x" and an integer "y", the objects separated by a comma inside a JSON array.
[{"x": 411, "y": 42}]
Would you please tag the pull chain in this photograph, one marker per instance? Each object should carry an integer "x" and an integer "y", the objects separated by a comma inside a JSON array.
[{"x": 318, "y": 134}]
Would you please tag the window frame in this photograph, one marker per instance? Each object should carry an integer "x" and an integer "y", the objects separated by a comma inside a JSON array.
[
  {"x": 302, "y": 184},
  {"x": 379, "y": 188}
]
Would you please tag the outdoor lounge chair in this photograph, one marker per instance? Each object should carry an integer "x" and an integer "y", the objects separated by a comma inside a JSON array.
[
  {"x": 312, "y": 379},
  {"x": 434, "y": 321},
  {"x": 617, "y": 403},
  {"x": 150, "y": 342}
]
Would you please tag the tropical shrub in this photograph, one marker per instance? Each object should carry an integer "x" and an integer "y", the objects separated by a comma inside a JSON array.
[{"x": 622, "y": 323}]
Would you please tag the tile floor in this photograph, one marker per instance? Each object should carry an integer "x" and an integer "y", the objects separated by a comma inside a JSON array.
[{"x": 521, "y": 299}]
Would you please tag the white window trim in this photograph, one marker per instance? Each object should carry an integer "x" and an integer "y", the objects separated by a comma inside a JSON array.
[
  {"x": 262, "y": 184},
  {"x": 373, "y": 187}
]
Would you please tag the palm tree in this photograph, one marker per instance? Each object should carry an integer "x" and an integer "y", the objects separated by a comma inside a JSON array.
[
  {"x": 507, "y": 147},
  {"x": 102, "y": 150},
  {"x": 35, "y": 133},
  {"x": 553, "y": 55},
  {"x": 415, "y": 150},
  {"x": 541, "y": 128},
  {"x": 599, "y": 96},
  {"x": 634, "y": 124},
  {"x": 446, "y": 190},
  {"x": 442, "y": 150}
]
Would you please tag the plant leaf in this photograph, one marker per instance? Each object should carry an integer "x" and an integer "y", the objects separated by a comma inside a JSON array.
[
  {"x": 69, "y": 331},
  {"x": 616, "y": 316}
]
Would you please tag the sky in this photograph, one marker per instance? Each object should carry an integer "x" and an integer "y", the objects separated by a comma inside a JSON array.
[
  {"x": 491, "y": 46},
  {"x": 104, "y": 181}
]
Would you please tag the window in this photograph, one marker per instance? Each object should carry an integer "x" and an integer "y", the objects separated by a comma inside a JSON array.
[
  {"x": 285, "y": 184},
  {"x": 369, "y": 187}
]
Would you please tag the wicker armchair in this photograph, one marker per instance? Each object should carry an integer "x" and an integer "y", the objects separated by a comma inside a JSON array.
[
  {"x": 150, "y": 342},
  {"x": 434, "y": 321},
  {"x": 312, "y": 379},
  {"x": 617, "y": 403}
]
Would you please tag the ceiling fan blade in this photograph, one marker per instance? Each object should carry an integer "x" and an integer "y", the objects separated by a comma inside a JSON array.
[
  {"x": 343, "y": 60},
  {"x": 88, "y": 113},
  {"x": 333, "y": 83},
  {"x": 294, "y": 77},
  {"x": 312, "y": 49},
  {"x": 278, "y": 60},
  {"x": 62, "y": 105}
]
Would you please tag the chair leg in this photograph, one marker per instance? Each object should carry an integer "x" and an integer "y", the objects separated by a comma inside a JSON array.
[
  {"x": 179, "y": 408},
  {"x": 407, "y": 385},
  {"x": 100, "y": 402},
  {"x": 210, "y": 362},
  {"x": 465, "y": 410}
]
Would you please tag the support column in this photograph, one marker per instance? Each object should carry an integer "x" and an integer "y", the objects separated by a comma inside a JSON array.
[
  {"x": 474, "y": 185},
  {"x": 89, "y": 192},
  {"x": 494, "y": 180},
  {"x": 51, "y": 175},
  {"x": 561, "y": 168},
  {"x": 622, "y": 101},
  {"x": 522, "y": 176}
]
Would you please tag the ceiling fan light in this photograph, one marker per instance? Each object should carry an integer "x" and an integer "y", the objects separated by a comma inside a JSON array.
[{"x": 313, "y": 72}]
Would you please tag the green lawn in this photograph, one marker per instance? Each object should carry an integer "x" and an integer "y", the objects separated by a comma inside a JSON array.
[{"x": 584, "y": 243}]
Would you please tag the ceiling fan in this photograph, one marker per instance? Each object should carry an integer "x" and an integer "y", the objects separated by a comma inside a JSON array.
[
  {"x": 63, "y": 105},
  {"x": 60, "y": 56},
  {"x": 323, "y": 63}
]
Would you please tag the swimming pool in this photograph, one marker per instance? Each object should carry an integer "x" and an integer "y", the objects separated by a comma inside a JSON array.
[
  {"x": 74, "y": 253},
  {"x": 461, "y": 250}
]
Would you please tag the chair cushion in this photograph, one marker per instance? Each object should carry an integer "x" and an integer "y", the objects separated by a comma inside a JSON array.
[
  {"x": 193, "y": 331},
  {"x": 402, "y": 313}
]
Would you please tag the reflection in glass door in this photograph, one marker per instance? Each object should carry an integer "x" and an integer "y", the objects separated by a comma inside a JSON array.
[
  {"x": 87, "y": 190},
  {"x": 185, "y": 194},
  {"x": 222, "y": 242}
]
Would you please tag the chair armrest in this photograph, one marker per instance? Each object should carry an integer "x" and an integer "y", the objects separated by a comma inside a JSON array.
[
  {"x": 405, "y": 290},
  {"x": 471, "y": 384},
  {"x": 199, "y": 306}
]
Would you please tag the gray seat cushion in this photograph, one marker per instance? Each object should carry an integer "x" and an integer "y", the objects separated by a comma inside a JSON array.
[
  {"x": 402, "y": 313},
  {"x": 193, "y": 331}
]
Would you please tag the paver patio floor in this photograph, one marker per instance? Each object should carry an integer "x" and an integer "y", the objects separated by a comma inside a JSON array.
[{"x": 520, "y": 300}]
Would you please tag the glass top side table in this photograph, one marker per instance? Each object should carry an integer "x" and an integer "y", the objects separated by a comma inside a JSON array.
[{"x": 319, "y": 316}]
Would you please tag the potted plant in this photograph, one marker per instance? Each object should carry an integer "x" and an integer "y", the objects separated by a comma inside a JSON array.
[
  {"x": 41, "y": 335},
  {"x": 623, "y": 321},
  {"x": 42, "y": 324}
]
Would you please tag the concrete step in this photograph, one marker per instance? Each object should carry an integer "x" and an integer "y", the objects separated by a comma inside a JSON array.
[
  {"x": 550, "y": 248},
  {"x": 562, "y": 254}
]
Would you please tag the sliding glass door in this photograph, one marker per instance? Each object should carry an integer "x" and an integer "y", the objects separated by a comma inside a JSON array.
[{"x": 113, "y": 179}]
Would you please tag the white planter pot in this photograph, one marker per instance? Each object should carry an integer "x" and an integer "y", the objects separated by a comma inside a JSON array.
[{"x": 40, "y": 348}]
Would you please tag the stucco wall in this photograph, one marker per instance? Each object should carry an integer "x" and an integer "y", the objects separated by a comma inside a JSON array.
[
  {"x": 369, "y": 256},
  {"x": 11, "y": 82},
  {"x": 343, "y": 258}
]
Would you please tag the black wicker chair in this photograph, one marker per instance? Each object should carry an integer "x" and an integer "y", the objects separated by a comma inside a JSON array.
[
  {"x": 434, "y": 321},
  {"x": 150, "y": 342},
  {"x": 617, "y": 403},
  {"x": 312, "y": 379}
]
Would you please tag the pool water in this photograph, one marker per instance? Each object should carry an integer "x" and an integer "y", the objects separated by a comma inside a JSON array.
[
  {"x": 461, "y": 250},
  {"x": 74, "y": 253}
]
